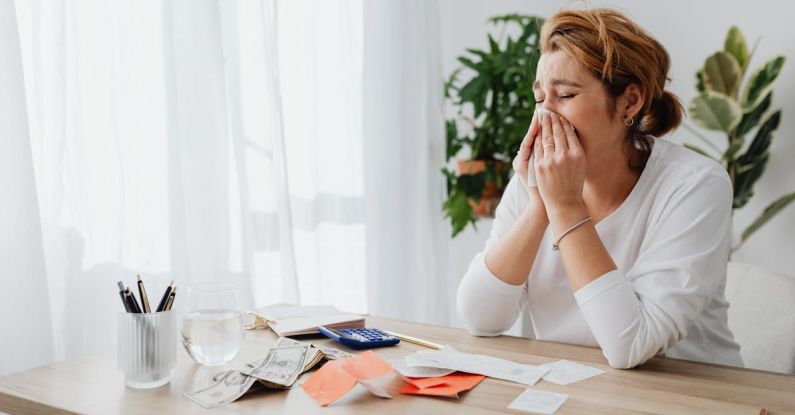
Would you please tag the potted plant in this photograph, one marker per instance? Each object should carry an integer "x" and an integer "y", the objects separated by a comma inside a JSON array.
[
  {"x": 724, "y": 104},
  {"x": 492, "y": 109}
]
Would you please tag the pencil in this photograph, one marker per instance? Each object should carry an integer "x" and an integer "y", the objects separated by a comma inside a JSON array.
[{"x": 414, "y": 340}]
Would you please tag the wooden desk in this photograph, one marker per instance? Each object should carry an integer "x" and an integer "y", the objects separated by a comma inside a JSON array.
[{"x": 94, "y": 385}]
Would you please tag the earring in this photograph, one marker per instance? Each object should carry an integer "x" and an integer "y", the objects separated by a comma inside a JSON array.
[{"x": 629, "y": 121}]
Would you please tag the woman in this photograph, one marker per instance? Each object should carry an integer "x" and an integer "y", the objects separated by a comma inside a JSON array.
[{"x": 624, "y": 242}]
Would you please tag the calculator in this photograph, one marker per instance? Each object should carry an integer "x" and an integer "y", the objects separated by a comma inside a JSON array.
[{"x": 360, "y": 338}]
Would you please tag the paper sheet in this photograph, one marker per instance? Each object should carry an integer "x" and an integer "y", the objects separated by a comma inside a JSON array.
[
  {"x": 338, "y": 377},
  {"x": 449, "y": 386},
  {"x": 564, "y": 372},
  {"x": 449, "y": 358},
  {"x": 418, "y": 371},
  {"x": 539, "y": 402}
]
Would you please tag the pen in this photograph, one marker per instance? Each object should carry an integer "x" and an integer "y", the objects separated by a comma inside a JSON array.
[
  {"x": 162, "y": 305},
  {"x": 128, "y": 295},
  {"x": 142, "y": 294},
  {"x": 171, "y": 297},
  {"x": 122, "y": 293}
]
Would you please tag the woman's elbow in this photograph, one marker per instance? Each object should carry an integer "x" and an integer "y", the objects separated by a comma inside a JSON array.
[
  {"x": 626, "y": 357},
  {"x": 476, "y": 321}
]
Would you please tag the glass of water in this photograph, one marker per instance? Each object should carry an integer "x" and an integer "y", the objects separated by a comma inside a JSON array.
[{"x": 212, "y": 331}]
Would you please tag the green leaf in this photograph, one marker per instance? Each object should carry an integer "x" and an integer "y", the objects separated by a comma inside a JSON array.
[
  {"x": 698, "y": 150},
  {"x": 453, "y": 145},
  {"x": 469, "y": 63},
  {"x": 700, "y": 81},
  {"x": 770, "y": 211},
  {"x": 472, "y": 185},
  {"x": 736, "y": 46},
  {"x": 751, "y": 119},
  {"x": 722, "y": 74},
  {"x": 754, "y": 160},
  {"x": 730, "y": 152},
  {"x": 457, "y": 209},
  {"x": 761, "y": 82},
  {"x": 715, "y": 111},
  {"x": 493, "y": 46},
  {"x": 475, "y": 91}
]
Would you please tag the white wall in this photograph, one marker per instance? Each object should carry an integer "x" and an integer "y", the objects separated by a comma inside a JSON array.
[{"x": 691, "y": 31}]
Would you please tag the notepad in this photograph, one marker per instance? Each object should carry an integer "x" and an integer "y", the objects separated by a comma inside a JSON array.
[{"x": 291, "y": 320}]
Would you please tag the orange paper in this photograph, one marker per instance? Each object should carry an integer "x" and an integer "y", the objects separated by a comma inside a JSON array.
[
  {"x": 366, "y": 366},
  {"x": 449, "y": 386},
  {"x": 338, "y": 377}
]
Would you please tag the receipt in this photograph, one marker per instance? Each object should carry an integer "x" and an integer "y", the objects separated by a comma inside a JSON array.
[
  {"x": 564, "y": 372},
  {"x": 540, "y": 402},
  {"x": 475, "y": 363}
]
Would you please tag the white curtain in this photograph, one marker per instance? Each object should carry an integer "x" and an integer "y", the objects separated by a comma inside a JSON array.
[
  {"x": 24, "y": 303},
  {"x": 289, "y": 147},
  {"x": 404, "y": 149}
]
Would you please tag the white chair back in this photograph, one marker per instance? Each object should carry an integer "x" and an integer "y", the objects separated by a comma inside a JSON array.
[{"x": 762, "y": 316}]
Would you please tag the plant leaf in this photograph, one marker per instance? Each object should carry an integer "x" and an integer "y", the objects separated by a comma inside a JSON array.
[
  {"x": 457, "y": 209},
  {"x": 700, "y": 81},
  {"x": 736, "y": 46},
  {"x": 715, "y": 111},
  {"x": 761, "y": 82},
  {"x": 770, "y": 211},
  {"x": 728, "y": 155},
  {"x": 751, "y": 119},
  {"x": 756, "y": 156},
  {"x": 722, "y": 74}
]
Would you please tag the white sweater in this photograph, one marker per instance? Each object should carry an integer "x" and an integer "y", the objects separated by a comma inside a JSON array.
[{"x": 670, "y": 240}]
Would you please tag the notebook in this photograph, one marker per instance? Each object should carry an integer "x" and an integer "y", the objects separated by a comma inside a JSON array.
[{"x": 291, "y": 320}]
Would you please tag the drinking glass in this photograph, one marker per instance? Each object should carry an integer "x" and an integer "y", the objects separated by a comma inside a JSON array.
[{"x": 212, "y": 330}]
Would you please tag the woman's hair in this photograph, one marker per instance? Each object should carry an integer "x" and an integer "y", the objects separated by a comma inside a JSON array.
[{"x": 619, "y": 53}]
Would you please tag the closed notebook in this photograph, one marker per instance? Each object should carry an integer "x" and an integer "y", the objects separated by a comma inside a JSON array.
[{"x": 290, "y": 320}]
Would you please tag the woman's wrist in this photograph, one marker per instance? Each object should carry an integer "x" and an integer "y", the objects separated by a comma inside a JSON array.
[
  {"x": 535, "y": 207},
  {"x": 563, "y": 217}
]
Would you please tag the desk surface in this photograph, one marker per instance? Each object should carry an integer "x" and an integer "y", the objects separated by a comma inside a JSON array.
[{"x": 93, "y": 384}]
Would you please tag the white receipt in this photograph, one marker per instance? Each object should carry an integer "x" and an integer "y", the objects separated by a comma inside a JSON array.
[
  {"x": 489, "y": 366},
  {"x": 540, "y": 402},
  {"x": 564, "y": 372},
  {"x": 418, "y": 371}
]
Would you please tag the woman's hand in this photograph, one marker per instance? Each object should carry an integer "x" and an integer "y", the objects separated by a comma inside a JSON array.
[
  {"x": 523, "y": 156},
  {"x": 560, "y": 167},
  {"x": 523, "y": 161}
]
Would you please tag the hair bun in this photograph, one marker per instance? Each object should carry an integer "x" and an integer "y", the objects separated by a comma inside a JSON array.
[{"x": 663, "y": 116}]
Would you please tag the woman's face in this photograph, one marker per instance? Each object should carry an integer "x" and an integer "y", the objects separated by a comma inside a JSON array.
[{"x": 564, "y": 86}]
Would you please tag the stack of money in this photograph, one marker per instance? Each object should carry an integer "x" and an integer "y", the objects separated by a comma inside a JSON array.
[{"x": 280, "y": 369}]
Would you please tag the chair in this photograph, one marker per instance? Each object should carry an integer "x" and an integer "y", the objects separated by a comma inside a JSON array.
[{"x": 762, "y": 316}]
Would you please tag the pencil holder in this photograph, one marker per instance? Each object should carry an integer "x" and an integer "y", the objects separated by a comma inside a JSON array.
[{"x": 147, "y": 348}]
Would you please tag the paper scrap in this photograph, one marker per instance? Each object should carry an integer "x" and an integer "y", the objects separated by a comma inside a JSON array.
[
  {"x": 493, "y": 367},
  {"x": 338, "y": 377},
  {"x": 537, "y": 401},
  {"x": 418, "y": 371},
  {"x": 329, "y": 383},
  {"x": 564, "y": 372},
  {"x": 449, "y": 386}
]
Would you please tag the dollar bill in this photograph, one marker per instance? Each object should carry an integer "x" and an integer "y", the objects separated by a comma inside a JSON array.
[
  {"x": 330, "y": 353},
  {"x": 230, "y": 386},
  {"x": 282, "y": 365}
]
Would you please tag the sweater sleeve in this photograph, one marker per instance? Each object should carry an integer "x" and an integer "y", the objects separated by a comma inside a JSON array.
[
  {"x": 488, "y": 305},
  {"x": 639, "y": 312}
]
